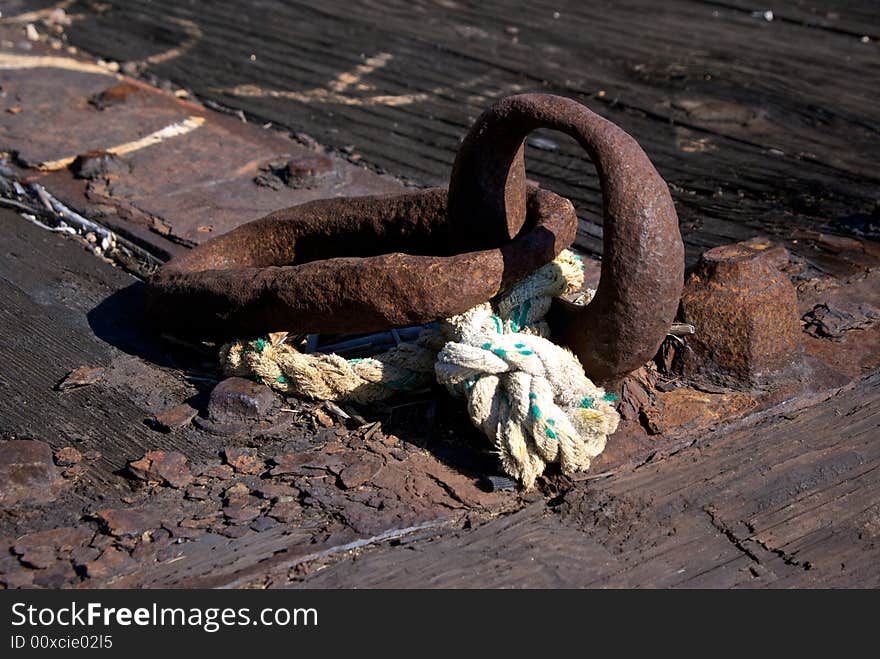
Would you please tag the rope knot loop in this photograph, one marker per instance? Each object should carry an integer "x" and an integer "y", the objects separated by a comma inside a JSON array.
[{"x": 530, "y": 396}]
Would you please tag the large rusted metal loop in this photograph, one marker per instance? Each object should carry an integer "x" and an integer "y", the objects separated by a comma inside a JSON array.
[
  {"x": 643, "y": 255},
  {"x": 350, "y": 265}
]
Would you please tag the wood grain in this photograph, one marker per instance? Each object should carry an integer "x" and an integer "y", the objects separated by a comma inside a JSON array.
[
  {"x": 792, "y": 501},
  {"x": 757, "y": 126}
]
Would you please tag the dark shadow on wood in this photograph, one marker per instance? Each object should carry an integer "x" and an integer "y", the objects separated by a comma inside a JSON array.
[{"x": 121, "y": 320}]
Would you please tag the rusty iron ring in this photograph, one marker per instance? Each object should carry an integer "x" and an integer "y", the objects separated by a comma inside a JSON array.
[
  {"x": 349, "y": 264},
  {"x": 643, "y": 255}
]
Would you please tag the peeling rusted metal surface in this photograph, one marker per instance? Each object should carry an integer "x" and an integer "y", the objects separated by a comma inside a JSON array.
[
  {"x": 643, "y": 255},
  {"x": 65, "y": 113},
  {"x": 354, "y": 264},
  {"x": 745, "y": 311},
  {"x": 62, "y": 115}
]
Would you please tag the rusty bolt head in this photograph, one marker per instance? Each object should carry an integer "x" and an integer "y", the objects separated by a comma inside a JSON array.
[
  {"x": 303, "y": 171},
  {"x": 234, "y": 399},
  {"x": 241, "y": 407},
  {"x": 310, "y": 165},
  {"x": 115, "y": 95},
  {"x": 745, "y": 313},
  {"x": 97, "y": 164}
]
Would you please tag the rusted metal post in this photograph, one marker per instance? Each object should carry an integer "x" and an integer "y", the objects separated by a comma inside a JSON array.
[{"x": 746, "y": 315}]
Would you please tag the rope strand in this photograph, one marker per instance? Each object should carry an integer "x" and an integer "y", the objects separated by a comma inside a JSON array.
[{"x": 528, "y": 395}]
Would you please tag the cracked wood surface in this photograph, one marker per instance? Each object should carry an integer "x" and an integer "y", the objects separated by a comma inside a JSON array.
[
  {"x": 791, "y": 502},
  {"x": 757, "y": 125},
  {"x": 775, "y": 137},
  {"x": 305, "y": 493}
]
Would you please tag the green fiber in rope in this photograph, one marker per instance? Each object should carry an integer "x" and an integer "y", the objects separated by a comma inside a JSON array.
[{"x": 404, "y": 382}]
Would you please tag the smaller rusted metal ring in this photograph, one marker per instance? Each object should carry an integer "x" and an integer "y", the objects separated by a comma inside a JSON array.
[
  {"x": 643, "y": 254},
  {"x": 349, "y": 264}
]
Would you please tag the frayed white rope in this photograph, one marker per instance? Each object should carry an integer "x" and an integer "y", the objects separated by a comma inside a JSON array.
[{"x": 528, "y": 395}]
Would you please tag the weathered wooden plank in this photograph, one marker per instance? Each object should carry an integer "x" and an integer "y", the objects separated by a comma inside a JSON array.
[
  {"x": 852, "y": 18},
  {"x": 720, "y": 514},
  {"x": 61, "y": 308},
  {"x": 756, "y": 145},
  {"x": 767, "y": 138},
  {"x": 51, "y": 292},
  {"x": 526, "y": 548}
]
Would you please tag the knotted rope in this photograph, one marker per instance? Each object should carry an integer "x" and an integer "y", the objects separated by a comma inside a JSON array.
[{"x": 528, "y": 395}]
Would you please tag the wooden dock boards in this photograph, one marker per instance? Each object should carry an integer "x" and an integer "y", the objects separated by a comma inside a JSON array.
[
  {"x": 757, "y": 125},
  {"x": 790, "y": 502},
  {"x": 62, "y": 308},
  {"x": 52, "y": 321}
]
